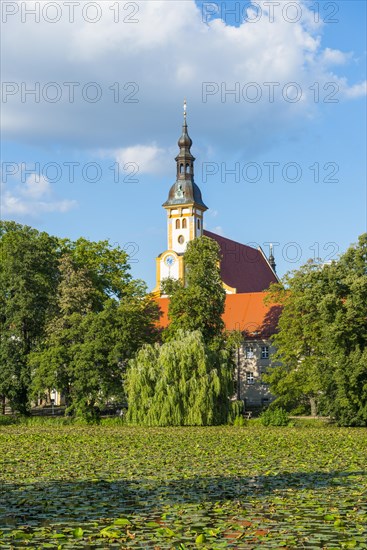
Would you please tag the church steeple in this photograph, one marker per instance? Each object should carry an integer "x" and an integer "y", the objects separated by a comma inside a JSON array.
[
  {"x": 185, "y": 160},
  {"x": 185, "y": 210},
  {"x": 185, "y": 190}
]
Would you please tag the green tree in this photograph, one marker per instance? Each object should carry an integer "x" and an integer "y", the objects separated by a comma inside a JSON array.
[
  {"x": 344, "y": 311},
  {"x": 347, "y": 397},
  {"x": 199, "y": 305},
  {"x": 107, "y": 267},
  {"x": 51, "y": 361},
  {"x": 299, "y": 375},
  {"x": 85, "y": 353},
  {"x": 181, "y": 383},
  {"x": 28, "y": 282},
  {"x": 109, "y": 339},
  {"x": 322, "y": 337}
]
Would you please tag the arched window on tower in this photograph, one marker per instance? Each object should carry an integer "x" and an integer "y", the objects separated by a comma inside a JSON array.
[
  {"x": 187, "y": 168},
  {"x": 198, "y": 224},
  {"x": 177, "y": 224},
  {"x": 184, "y": 223},
  {"x": 181, "y": 168}
]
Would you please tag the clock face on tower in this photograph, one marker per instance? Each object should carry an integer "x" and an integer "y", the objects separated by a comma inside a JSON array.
[{"x": 169, "y": 260}]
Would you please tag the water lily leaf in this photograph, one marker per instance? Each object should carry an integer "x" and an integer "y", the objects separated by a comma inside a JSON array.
[
  {"x": 108, "y": 486},
  {"x": 338, "y": 523},
  {"x": 352, "y": 543},
  {"x": 110, "y": 532},
  {"x": 152, "y": 524},
  {"x": 165, "y": 531},
  {"x": 78, "y": 532},
  {"x": 122, "y": 521},
  {"x": 20, "y": 535}
]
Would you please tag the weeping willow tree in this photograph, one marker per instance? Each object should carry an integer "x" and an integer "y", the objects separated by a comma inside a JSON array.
[{"x": 181, "y": 383}]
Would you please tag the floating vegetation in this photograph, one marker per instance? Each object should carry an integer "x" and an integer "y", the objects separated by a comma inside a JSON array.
[{"x": 222, "y": 487}]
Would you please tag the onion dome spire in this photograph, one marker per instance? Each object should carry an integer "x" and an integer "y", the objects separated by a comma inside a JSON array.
[
  {"x": 185, "y": 141},
  {"x": 185, "y": 190}
]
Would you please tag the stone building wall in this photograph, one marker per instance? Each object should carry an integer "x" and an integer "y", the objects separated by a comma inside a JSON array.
[{"x": 254, "y": 360}]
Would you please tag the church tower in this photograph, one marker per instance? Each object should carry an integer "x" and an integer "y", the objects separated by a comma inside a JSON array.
[{"x": 185, "y": 210}]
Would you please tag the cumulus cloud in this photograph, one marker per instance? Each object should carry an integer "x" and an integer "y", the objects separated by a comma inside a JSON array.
[
  {"x": 358, "y": 90},
  {"x": 133, "y": 96},
  {"x": 36, "y": 186},
  {"x": 148, "y": 158},
  {"x": 335, "y": 57},
  {"x": 32, "y": 198}
]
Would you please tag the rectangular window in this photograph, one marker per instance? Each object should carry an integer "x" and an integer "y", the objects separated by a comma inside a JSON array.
[
  {"x": 250, "y": 378},
  {"x": 264, "y": 352},
  {"x": 249, "y": 352}
]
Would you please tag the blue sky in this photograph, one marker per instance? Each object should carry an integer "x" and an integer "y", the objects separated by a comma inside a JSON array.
[{"x": 299, "y": 156}]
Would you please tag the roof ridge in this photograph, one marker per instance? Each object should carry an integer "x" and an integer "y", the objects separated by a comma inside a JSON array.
[{"x": 227, "y": 239}]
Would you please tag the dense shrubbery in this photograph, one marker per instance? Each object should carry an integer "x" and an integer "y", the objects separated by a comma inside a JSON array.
[
  {"x": 7, "y": 420},
  {"x": 239, "y": 421},
  {"x": 236, "y": 410},
  {"x": 274, "y": 417}
]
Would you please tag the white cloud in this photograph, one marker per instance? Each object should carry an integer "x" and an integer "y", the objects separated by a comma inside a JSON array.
[
  {"x": 335, "y": 57},
  {"x": 149, "y": 158},
  {"x": 32, "y": 198},
  {"x": 36, "y": 186},
  {"x": 358, "y": 90},
  {"x": 168, "y": 53}
]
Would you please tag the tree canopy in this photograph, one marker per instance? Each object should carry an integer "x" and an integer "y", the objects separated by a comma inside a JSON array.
[
  {"x": 28, "y": 281},
  {"x": 199, "y": 303},
  {"x": 322, "y": 337},
  {"x": 180, "y": 383},
  {"x": 189, "y": 379},
  {"x": 71, "y": 317}
]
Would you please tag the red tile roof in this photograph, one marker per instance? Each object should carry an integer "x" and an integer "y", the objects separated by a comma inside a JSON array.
[
  {"x": 244, "y": 312},
  {"x": 243, "y": 267}
]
